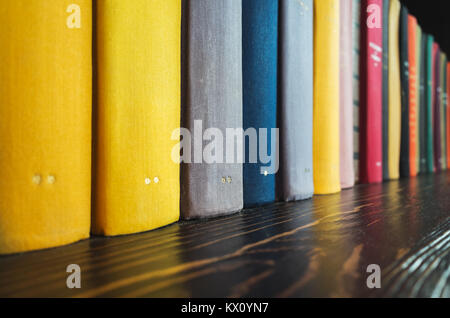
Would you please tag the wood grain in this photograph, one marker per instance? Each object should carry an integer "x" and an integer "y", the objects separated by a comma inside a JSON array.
[{"x": 314, "y": 248}]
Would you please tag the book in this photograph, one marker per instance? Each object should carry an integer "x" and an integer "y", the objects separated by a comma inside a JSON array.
[
  {"x": 212, "y": 98},
  {"x": 404, "y": 71},
  {"x": 385, "y": 89},
  {"x": 259, "y": 73},
  {"x": 437, "y": 108},
  {"x": 45, "y": 123},
  {"x": 443, "y": 110},
  {"x": 326, "y": 164},
  {"x": 356, "y": 17},
  {"x": 346, "y": 95},
  {"x": 448, "y": 116},
  {"x": 412, "y": 26},
  {"x": 395, "y": 102},
  {"x": 295, "y": 103},
  {"x": 429, "y": 91},
  {"x": 418, "y": 35},
  {"x": 371, "y": 103},
  {"x": 137, "y": 167},
  {"x": 423, "y": 104}
]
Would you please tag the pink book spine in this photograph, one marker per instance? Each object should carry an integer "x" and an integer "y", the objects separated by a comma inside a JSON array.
[{"x": 346, "y": 95}]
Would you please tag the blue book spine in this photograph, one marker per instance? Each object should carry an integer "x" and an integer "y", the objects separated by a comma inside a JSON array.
[{"x": 259, "y": 45}]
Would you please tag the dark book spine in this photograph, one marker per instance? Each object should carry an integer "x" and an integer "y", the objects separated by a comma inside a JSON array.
[
  {"x": 404, "y": 147},
  {"x": 437, "y": 110},
  {"x": 423, "y": 104}
]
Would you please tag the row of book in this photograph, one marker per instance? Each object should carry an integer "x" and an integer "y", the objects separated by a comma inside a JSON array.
[
  {"x": 93, "y": 95},
  {"x": 403, "y": 119}
]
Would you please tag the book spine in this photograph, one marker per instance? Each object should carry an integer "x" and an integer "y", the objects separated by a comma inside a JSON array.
[
  {"x": 430, "y": 106},
  {"x": 296, "y": 100},
  {"x": 259, "y": 54},
  {"x": 346, "y": 95},
  {"x": 448, "y": 115},
  {"x": 371, "y": 104},
  {"x": 326, "y": 164},
  {"x": 385, "y": 90},
  {"x": 137, "y": 169},
  {"x": 443, "y": 62},
  {"x": 356, "y": 18},
  {"x": 437, "y": 109},
  {"x": 423, "y": 104},
  {"x": 404, "y": 61},
  {"x": 212, "y": 98},
  {"x": 45, "y": 123},
  {"x": 418, "y": 36},
  {"x": 395, "y": 102},
  {"x": 443, "y": 111},
  {"x": 412, "y": 25}
]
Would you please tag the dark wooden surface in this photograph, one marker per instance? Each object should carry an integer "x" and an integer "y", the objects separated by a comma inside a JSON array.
[{"x": 315, "y": 248}]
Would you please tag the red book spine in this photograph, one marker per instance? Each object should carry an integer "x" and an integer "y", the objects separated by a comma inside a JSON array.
[
  {"x": 371, "y": 141},
  {"x": 412, "y": 26}
]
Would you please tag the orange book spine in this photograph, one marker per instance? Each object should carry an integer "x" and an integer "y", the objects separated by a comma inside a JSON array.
[{"x": 412, "y": 26}]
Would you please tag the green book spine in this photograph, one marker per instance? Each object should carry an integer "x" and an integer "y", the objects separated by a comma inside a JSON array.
[{"x": 429, "y": 103}]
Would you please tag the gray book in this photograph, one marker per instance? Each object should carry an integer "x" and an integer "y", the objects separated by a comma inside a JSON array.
[
  {"x": 356, "y": 6},
  {"x": 295, "y": 176},
  {"x": 212, "y": 94}
]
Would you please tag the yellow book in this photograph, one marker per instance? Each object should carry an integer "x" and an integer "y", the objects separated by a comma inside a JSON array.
[
  {"x": 138, "y": 55},
  {"x": 45, "y": 123},
  {"x": 326, "y": 97},
  {"x": 395, "y": 104}
]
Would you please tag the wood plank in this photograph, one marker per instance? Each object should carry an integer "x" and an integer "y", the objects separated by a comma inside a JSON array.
[{"x": 314, "y": 248}]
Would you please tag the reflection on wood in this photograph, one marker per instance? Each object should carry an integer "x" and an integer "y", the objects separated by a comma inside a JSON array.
[{"x": 315, "y": 248}]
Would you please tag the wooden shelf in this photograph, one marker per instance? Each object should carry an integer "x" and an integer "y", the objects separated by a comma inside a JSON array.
[{"x": 315, "y": 248}]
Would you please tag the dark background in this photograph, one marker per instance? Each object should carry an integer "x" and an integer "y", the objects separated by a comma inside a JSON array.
[{"x": 434, "y": 18}]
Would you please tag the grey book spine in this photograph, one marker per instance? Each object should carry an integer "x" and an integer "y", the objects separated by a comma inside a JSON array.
[
  {"x": 212, "y": 97},
  {"x": 295, "y": 177},
  {"x": 356, "y": 34}
]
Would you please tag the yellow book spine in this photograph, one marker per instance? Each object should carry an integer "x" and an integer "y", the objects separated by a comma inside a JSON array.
[
  {"x": 326, "y": 97},
  {"x": 138, "y": 53},
  {"x": 395, "y": 107},
  {"x": 45, "y": 123}
]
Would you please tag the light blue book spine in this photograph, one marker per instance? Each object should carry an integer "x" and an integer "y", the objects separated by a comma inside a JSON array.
[{"x": 295, "y": 177}]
